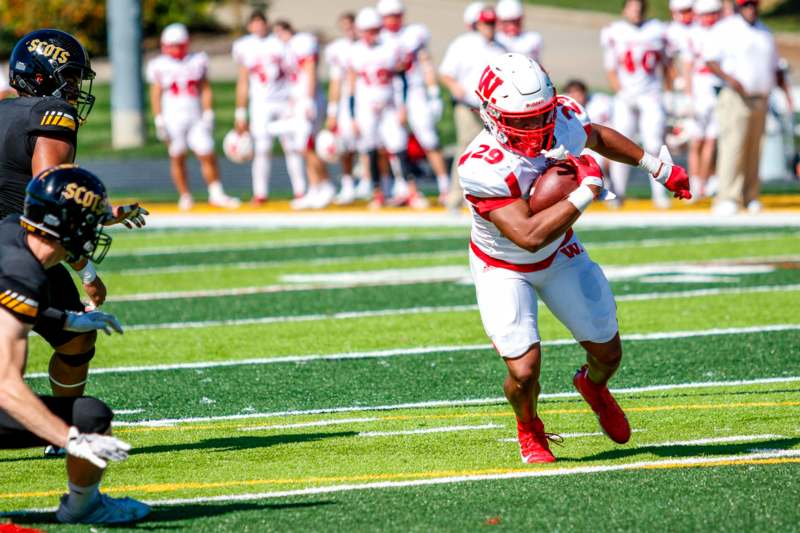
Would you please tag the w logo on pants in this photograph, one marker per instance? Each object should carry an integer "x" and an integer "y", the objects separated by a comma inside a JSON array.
[{"x": 571, "y": 250}]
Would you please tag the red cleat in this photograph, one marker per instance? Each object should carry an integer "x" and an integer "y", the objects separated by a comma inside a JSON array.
[
  {"x": 533, "y": 442},
  {"x": 610, "y": 415}
]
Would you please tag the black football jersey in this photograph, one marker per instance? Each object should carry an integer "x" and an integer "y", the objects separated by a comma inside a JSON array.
[
  {"x": 24, "y": 290},
  {"x": 22, "y": 121}
]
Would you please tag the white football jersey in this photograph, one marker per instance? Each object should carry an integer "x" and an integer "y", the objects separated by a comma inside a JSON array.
[
  {"x": 411, "y": 40},
  {"x": 180, "y": 81},
  {"x": 528, "y": 43},
  {"x": 466, "y": 59},
  {"x": 678, "y": 40},
  {"x": 337, "y": 55},
  {"x": 704, "y": 82},
  {"x": 375, "y": 69},
  {"x": 301, "y": 47},
  {"x": 599, "y": 108},
  {"x": 493, "y": 177},
  {"x": 263, "y": 58},
  {"x": 636, "y": 54}
]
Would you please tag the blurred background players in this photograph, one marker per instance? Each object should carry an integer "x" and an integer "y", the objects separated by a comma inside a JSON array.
[
  {"x": 510, "y": 34},
  {"x": 181, "y": 100},
  {"x": 598, "y": 107},
  {"x": 423, "y": 102},
  {"x": 302, "y": 119},
  {"x": 741, "y": 51},
  {"x": 702, "y": 88},
  {"x": 339, "y": 119},
  {"x": 261, "y": 84},
  {"x": 636, "y": 60},
  {"x": 377, "y": 109},
  {"x": 460, "y": 70}
]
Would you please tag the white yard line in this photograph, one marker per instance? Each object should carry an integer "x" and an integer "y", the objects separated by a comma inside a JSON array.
[
  {"x": 312, "y": 424},
  {"x": 713, "y": 440},
  {"x": 405, "y": 219},
  {"x": 347, "y": 315},
  {"x": 448, "y": 403},
  {"x": 578, "y": 435},
  {"x": 402, "y": 352},
  {"x": 250, "y": 265},
  {"x": 426, "y": 431}
]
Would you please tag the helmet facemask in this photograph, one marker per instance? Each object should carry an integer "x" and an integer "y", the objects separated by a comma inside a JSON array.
[
  {"x": 71, "y": 79},
  {"x": 526, "y": 133}
]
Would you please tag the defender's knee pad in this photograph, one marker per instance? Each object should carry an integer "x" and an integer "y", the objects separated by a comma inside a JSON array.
[
  {"x": 76, "y": 360},
  {"x": 91, "y": 415}
]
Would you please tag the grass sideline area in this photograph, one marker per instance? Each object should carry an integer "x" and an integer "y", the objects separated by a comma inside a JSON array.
[{"x": 330, "y": 378}]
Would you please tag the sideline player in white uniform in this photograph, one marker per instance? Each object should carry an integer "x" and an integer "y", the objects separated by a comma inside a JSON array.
[
  {"x": 703, "y": 87},
  {"x": 516, "y": 255},
  {"x": 635, "y": 58},
  {"x": 303, "y": 117},
  {"x": 378, "y": 110},
  {"x": 181, "y": 99},
  {"x": 337, "y": 56},
  {"x": 459, "y": 71},
  {"x": 262, "y": 85},
  {"x": 510, "y": 34},
  {"x": 678, "y": 36},
  {"x": 423, "y": 102},
  {"x": 598, "y": 107}
]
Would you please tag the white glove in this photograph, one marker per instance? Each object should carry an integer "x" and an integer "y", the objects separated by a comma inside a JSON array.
[
  {"x": 91, "y": 321},
  {"x": 131, "y": 215},
  {"x": 208, "y": 119},
  {"x": 161, "y": 129},
  {"x": 97, "y": 449}
]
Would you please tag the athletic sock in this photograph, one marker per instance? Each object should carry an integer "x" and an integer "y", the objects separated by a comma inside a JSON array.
[
  {"x": 443, "y": 182},
  {"x": 262, "y": 165},
  {"x": 296, "y": 168},
  {"x": 347, "y": 183},
  {"x": 215, "y": 190},
  {"x": 81, "y": 499}
]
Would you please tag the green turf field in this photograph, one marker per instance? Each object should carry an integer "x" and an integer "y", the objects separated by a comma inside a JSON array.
[{"x": 339, "y": 378}]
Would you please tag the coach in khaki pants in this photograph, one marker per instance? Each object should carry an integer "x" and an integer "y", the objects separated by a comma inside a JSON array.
[
  {"x": 741, "y": 51},
  {"x": 461, "y": 69}
]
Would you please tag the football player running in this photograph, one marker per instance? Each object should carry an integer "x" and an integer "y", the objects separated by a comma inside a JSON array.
[
  {"x": 52, "y": 74},
  {"x": 423, "y": 102},
  {"x": 510, "y": 34},
  {"x": 302, "y": 119},
  {"x": 65, "y": 208},
  {"x": 180, "y": 96},
  {"x": 339, "y": 121},
  {"x": 262, "y": 84},
  {"x": 636, "y": 61},
  {"x": 516, "y": 255}
]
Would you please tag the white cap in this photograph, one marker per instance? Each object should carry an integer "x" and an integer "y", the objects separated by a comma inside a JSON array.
[
  {"x": 368, "y": 19},
  {"x": 680, "y": 5},
  {"x": 391, "y": 7},
  {"x": 702, "y": 7},
  {"x": 175, "y": 33},
  {"x": 472, "y": 12},
  {"x": 509, "y": 10}
]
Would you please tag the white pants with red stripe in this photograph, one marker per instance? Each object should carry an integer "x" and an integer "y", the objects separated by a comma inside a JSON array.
[{"x": 573, "y": 287}]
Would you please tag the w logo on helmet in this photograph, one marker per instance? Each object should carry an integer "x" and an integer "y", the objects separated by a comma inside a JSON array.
[{"x": 489, "y": 83}]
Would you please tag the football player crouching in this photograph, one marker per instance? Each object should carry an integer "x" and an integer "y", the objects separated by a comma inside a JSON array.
[
  {"x": 517, "y": 256},
  {"x": 65, "y": 208}
]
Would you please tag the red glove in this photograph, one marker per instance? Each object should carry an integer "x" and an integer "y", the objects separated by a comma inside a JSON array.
[
  {"x": 585, "y": 167},
  {"x": 668, "y": 174}
]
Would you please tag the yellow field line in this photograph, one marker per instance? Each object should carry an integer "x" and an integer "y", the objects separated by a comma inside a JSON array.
[
  {"x": 196, "y": 485},
  {"x": 508, "y": 413}
]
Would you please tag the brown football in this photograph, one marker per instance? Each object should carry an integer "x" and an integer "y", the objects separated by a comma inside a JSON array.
[{"x": 553, "y": 186}]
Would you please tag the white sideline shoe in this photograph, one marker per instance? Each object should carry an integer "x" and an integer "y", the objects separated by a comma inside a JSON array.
[
  {"x": 108, "y": 510},
  {"x": 725, "y": 208},
  {"x": 346, "y": 196},
  {"x": 364, "y": 190},
  {"x": 324, "y": 195},
  {"x": 185, "y": 202},
  {"x": 224, "y": 201},
  {"x": 754, "y": 206}
]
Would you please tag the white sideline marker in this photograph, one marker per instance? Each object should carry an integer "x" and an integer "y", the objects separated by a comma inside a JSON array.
[{"x": 401, "y": 352}]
